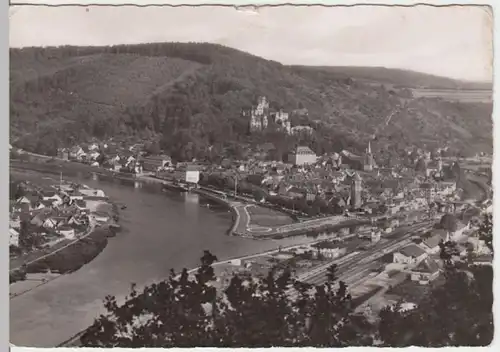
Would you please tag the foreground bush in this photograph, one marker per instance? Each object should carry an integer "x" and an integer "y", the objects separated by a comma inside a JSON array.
[{"x": 251, "y": 312}]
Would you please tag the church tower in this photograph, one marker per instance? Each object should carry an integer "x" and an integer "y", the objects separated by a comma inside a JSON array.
[
  {"x": 368, "y": 162},
  {"x": 356, "y": 189}
]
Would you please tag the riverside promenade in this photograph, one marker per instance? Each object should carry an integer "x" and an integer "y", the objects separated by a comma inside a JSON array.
[{"x": 242, "y": 225}]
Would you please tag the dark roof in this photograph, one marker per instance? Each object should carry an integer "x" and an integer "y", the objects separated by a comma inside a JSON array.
[
  {"x": 49, "y": 193},
  {"x": 81, "y": 203},
  {"x": 157, "y": 157},
  {"x": 295, "y": 189},
  {"x": 433, "y": 241},
  {"x": 412, "y": 250},
  {"x": 303, "y": 149},
  {"x": 449, "y": 222},
  {"x": 426, "y": 185}
]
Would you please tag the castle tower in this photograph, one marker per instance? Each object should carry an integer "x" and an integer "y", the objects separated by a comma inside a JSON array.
[
  {"x": 255, "y": 122},
  {"x": 264, "y": 122},
  {"x": 356, "y": 189}
]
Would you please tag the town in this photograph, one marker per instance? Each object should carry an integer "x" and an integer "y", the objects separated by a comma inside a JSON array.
[
  {"x": 384, "y": 226},
  {"x": 275, "y": 176}
]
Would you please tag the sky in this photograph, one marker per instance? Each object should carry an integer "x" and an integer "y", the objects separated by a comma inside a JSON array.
[{"x": 455, "y": 42}]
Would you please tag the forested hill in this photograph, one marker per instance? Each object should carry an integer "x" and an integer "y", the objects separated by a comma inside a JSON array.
[
  {"x": 400, "y": 78},
  {"x": 190, "y": 96}
]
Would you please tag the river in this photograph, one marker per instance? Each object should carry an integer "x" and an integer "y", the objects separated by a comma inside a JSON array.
[{"x": 160, "y": 232}]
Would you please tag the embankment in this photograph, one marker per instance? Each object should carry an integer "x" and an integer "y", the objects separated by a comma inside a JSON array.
[
  {"x": 55, "y": 167},
  {"x": 218, "y": 200},
  {"x": 68, "y": 259}
]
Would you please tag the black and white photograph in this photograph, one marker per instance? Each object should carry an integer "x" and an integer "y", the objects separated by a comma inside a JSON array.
[{"x": 250, "y": 176}]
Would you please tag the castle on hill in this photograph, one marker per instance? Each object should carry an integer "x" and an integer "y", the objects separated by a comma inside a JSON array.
[{"x": 259, "y": 116}]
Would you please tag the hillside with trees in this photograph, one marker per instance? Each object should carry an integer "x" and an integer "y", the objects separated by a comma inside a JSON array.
[
  {"x": 402, "y": 78},
  {"x": 190, "y": 96}
]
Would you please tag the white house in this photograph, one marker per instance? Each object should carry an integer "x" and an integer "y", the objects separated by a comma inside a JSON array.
[
  {"x": 100, "y": 217},
  {"x": 15, "y": 222},
  {"x": 67, "y": 231},
  {"x": 188, "y": 174},
  {"x": 479, "y": 246},
  {"x": 75, "y": 221},
  {"x": 409, "y": 255},
  {"x": 129, "y": 160},
  {"x": 24, "y": 200},
  {"x": 13, "y": 237},
  {"x": 93, "y": 155},
  {"x": 54, "y": 197},
  {"x": 76, "y": 196},
  {"x": 332, "y": 252},
  {"x": 92, "y": 192},
  {"x": 77, "y": 152},
  {"x": 49, "y": 223},
  {"x": 461, "y": 228},
  {"x": 426, "y": 271},
  {"x": 375, "y": 236}
]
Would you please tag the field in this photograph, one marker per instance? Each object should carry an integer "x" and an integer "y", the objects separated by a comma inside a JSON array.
[
  {"x": 466, "y": 96},
  {"x": 267, "y": 217}
]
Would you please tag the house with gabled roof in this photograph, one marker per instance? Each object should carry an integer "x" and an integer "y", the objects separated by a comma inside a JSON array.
[
  {"x": 52, "y": 195},
  {"x": 44, "y": 203},
  {"x": 13, "y": 237},
  {"x": 29, "y": 198},
  {"x": 426, "y": 271},
  {"x": 431, "y": 243},
  {"x": 409, "y": 255},
  {"x": 22, "y": 207},
  {"x": 76, "y": 152},
  {"x": 295, "y": 192},
  {"x": 67, "y": 231}
]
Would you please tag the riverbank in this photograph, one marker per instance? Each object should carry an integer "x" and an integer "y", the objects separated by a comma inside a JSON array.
[
  {"x": 159, "y": 233},
  {"x": 241, "y": 225},
  {"x": 62, "y": 255},
  {"x": 74, "y": 341}
]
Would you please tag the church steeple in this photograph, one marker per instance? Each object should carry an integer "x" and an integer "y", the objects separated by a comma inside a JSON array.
[{"x": 368, "y": 158}]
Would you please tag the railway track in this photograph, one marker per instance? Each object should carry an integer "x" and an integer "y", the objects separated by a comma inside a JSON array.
[{"x": 353, "y": 267}]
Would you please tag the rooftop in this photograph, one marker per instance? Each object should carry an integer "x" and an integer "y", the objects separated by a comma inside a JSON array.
[
  {"x": 434, "y": 240},
  {"x": 427, "y": 265},
  {"x": 412, "y": 250},
  {"x": 304, "y": 149}
]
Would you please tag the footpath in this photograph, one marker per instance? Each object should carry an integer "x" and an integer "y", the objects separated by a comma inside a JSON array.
[{"x": 86, "y": 234}]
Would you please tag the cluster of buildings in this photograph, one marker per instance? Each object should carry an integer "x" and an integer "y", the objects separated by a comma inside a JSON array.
[
  {"x": 421, "y": 259},
  {"x": 131, "y": 159},
  {"x": 345, "y": 181},
  {"x": 111, "y": 155},
  {"x": 260, "y": 115},
  {"x": 51, "y": 214}
]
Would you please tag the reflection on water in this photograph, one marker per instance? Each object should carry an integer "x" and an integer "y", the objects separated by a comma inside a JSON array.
[
  {"x": 191, "y": 198},
  {"x": 161, "y": 231}
]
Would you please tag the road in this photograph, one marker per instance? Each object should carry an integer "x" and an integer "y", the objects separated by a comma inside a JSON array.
[
  {"x": 354, "y": 266},
  {"x": 86, "y": 234}
]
